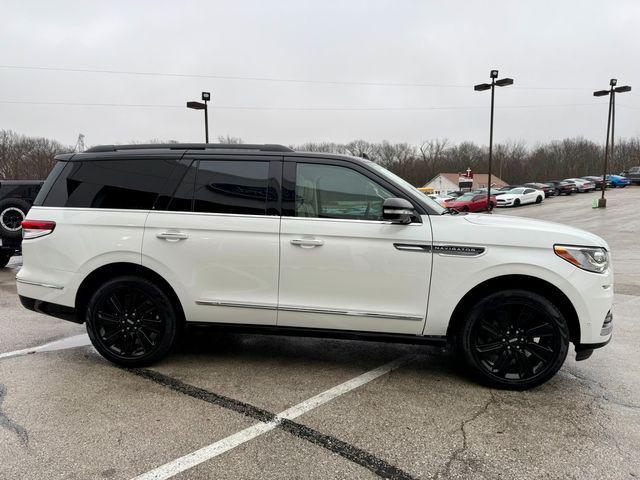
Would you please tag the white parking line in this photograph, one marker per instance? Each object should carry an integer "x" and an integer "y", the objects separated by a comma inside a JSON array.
[
  {"x": 69, "y": 342},
  {"x": 197, "y": 457}
]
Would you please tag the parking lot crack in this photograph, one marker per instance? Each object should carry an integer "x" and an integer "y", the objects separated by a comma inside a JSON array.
[
  {"x": 601, "y": 392},
  {"x": 8, "y": 424},
  {"x": 458, "y": 454}
]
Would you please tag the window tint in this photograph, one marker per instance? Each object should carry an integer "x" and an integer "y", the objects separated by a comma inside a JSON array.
[
  {"x": 328, "y": 191},
  {"x": 528, "y": 190},
  {"x": 126, "y": 184},
  {"x": 237, "y": 186}
]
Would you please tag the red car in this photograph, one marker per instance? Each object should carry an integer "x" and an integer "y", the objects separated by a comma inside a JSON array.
[{"x": 471, "y": 202}]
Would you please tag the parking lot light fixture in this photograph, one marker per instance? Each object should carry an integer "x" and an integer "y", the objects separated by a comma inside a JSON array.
[
  {"x": 611, "y": 124},
  {"x": 503, "y": 82},
  {"x": 206, "y": 96}
]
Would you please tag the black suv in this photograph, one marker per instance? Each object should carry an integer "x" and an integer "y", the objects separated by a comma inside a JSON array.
[
  {"x": 16, "y": 197},
  {"x": 633, "y": 174}
]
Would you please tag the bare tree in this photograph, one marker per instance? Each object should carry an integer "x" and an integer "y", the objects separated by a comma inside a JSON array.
[{"x": 27, "y": 158}]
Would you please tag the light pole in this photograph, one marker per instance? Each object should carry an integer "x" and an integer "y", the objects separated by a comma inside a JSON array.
[
  {"x": 206, "y": 96},
  {"x": 503, "y": 82},
  {"x": 611, "y": 123}
]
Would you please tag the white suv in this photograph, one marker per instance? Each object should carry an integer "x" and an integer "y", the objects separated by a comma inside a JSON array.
[{"x": 138, "y": 241}]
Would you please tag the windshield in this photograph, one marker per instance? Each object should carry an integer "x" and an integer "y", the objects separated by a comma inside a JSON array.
[
  {"x": 516, "y": 190},
  {"x": 435, "y": 206},
  {"x": 464, "y": 198}
]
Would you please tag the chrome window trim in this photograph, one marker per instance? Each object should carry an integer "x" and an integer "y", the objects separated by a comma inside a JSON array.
[
  {"x": 348, "y": 220},
  {"x": 39, "y": 284}
]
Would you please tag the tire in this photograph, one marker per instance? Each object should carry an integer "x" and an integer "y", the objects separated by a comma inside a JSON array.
[
  {"x": 516, "y": 202},
  {"x": 131, "y": 321},
  {"x": 465, "y": 209},
  {"x": 558, "y": 193},
  {"x": 12, "y": 212},
  {"x": 539, "y": 199},
  {"x": 5, "y": 256},
  {"x": 491, "y": 205},
  {"x": 498, "y": 356}
]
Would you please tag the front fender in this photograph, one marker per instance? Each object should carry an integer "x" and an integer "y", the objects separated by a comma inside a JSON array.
[{"x": 454, "y": 277}]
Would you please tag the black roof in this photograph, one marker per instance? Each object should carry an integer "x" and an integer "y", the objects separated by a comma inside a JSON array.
[{"x": 160, "y": 149}]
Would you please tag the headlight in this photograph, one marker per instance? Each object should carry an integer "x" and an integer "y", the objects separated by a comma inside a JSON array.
[{"x": 592, "y": 259}]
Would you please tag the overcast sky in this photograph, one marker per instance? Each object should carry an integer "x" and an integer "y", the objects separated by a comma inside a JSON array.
[{"x": 546, "y": 46}]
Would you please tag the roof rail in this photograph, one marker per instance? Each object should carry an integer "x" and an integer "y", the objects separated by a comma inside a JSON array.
[{"x": 191, "y": 146}]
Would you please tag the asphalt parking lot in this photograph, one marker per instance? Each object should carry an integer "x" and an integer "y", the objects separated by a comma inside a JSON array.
[{"x": 247, "y": 406}]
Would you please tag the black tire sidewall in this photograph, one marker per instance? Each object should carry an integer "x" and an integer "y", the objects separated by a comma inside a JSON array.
[
  {"x": 21, "y": 205},
  {"x": 516, "y": 202},
  {"x": 169, "y": 311},
  {"x": 526, "y": 297}
]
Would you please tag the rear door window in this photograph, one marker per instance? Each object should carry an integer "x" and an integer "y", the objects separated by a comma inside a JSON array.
[
  {"x": 232, "y": 186},
  {"x": 114, "y": 184}
]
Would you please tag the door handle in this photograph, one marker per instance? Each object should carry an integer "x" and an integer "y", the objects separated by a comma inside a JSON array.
[
  {"x": 307, "y": 242},
  {"x": 172, "y": 236}
]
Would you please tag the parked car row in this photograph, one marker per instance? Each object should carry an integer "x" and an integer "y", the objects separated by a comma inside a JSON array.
[{"x": 532, "y": 192}]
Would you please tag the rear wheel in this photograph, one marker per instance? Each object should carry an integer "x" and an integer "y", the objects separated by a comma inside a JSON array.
[
  {"x": 491, "y": 205},
  {"x": 131, "y": 321},
  {"x": 539, "y": 199},
  {"x": 514, "y": 339}
]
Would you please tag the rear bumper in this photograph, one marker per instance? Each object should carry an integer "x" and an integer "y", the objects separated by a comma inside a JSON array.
[
  {"x": 59, "y": 311},
  {"x": 11, "y": 244}
]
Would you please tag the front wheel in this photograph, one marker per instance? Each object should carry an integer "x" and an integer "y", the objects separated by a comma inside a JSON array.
[
  {"x": 514, "y": 339},
  {"x": 516, "y": 203},
  {"x": 131, "y": 321}
]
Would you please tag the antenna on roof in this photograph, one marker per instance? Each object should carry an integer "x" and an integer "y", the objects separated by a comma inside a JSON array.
[{"x": 80, "y": 147}]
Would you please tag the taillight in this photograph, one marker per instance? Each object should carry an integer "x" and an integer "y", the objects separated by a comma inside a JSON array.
[{"x": 36, "y": 228}]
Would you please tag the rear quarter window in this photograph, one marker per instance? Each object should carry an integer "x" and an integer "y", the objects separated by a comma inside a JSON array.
[
  {"x": 48, "y": 183},
  {"x": 116, "y": 184}
]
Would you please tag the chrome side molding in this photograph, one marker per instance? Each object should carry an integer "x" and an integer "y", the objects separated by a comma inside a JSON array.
[
  {"x": 323, "y": 311},
  {"x": 216, "y": 303},
  {"x": 350, "y": 313},
  {"x": 444, "y": 250},
  {"x": 39, "y": 284}
]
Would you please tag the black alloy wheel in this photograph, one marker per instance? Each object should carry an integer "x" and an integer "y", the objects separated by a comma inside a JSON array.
[
  {"x": 516, "y": 202},
  {"x": 539, "y": 199},
  {"x": 515, "y": 340},
  {"x": 131, "y": 321}
]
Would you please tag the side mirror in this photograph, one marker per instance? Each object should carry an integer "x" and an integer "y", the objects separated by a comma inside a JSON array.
[{"x": 397, "y": 210}]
